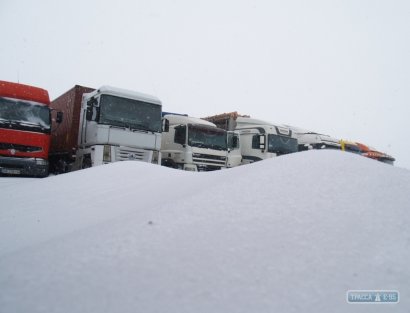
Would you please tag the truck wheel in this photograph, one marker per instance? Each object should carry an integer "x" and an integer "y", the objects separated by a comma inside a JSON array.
[
  {"x": 86, "y": 162},
  {"x": 168, "y": 163},
  {"x": 61, "y": 167},
  {"x": 45, "y": 174}
]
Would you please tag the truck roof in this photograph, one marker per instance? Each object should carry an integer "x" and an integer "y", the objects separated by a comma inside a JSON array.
[
  {"x": 167, "y": 113},
  {"x": 248, "y": 121},
  {"x": 24, "y": 92},
  {"x": 265, "y": 129},
  {"x": 127, "y": 93},
  {"x": 225, "y": 121},
  {"x": 181, "y": 119},
  {"x": 306, "y": 136}
]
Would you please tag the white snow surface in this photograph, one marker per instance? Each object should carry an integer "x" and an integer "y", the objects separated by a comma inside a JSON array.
[{"x": 289, "y": 234}]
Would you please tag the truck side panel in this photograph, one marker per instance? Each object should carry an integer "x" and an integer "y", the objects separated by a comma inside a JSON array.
[{"x": 64, "y": 138}]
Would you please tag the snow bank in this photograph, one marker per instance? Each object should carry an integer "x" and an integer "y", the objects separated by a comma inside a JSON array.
[{"x": 290, "y": 234}]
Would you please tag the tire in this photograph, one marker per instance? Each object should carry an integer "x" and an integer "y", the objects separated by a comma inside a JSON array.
[
  {"x": 168, "y": 163},
  {"x": 86, "y": 162}
]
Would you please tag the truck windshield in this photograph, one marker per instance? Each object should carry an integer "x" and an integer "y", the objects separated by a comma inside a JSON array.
[
  {"x": 206, "y": 137},
  {"x": 130, "y": 113},
  {"x": 24, "y": 115},
  {"x": 282, "y": 144}
]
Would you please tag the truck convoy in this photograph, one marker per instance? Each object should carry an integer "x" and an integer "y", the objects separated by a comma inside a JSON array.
[
  {"x": 105, "y": 125},
  {"x": 193, "y": 144},
  {"x": 110, "y": 124},
  {"x": 259, "y": 139},
  {"x": 25, "y": 128}
]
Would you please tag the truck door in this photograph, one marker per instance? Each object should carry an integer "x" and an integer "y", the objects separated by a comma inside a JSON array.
[{"x": 234, "y": 156}]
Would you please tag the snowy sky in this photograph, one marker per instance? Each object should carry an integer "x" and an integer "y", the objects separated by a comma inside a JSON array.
[{"x": 337, "y": 67}]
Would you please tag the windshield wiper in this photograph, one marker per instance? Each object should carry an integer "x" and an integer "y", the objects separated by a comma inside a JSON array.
[
  {"x": 198, "y": 144},
  {"x": 140, "y": 127},
  {"x": 27, "y": 123},
  {"x": 23, "y": 123},
  {"x": 31, "y": 124},
  {"x": 217, "y": 147}
]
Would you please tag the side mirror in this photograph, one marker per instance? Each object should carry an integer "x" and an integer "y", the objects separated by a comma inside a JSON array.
[
  {"x": 93, "y": 110},
  {"x": 92, "y": 113},
  {"x": 262, "y": 142},
  {"x": 59, "y": 117},
  {"x": 165, "y": 125},
  {"x": 92, "y": 102}
]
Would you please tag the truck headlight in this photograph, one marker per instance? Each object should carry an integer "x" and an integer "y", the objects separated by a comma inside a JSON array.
[
  {"x": 41, "y": 162},
  {"x": 107, "y": 153}
]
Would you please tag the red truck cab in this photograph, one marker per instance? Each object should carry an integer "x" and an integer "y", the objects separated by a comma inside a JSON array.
[{"x": 25, "y": 128}]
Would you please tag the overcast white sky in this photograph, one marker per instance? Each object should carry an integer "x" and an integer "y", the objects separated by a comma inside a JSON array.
[{"x": 337, "y": 67}]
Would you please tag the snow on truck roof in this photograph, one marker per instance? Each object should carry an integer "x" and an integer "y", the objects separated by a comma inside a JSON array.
[
  {"x": 251, "y": 121},
  {"x": 247, "y": 121},
  {"x": 304, "y": 133},
  {"x": 181, "y": 119},
  {"x": 126, "y": 93}
]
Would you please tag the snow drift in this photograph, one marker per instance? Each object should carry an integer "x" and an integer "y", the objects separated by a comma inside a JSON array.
[{"x": 290, "y": 234}]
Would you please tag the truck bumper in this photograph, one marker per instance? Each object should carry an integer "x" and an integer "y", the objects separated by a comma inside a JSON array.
[{"x": 23, "y": 166}]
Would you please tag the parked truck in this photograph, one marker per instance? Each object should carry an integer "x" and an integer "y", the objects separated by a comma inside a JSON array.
[
  {"x": 312, "y": 140},
  {"x": 25, "y": 127},
  {"x": 374, "y": 154},
  {"x": 105, "y": 125},
  {"x": 193, "y": 144},
  {"x": 259, "y": 139}
]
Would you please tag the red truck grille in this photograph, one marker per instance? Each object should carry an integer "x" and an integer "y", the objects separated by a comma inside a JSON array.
[{"x": 20, "y": 148}]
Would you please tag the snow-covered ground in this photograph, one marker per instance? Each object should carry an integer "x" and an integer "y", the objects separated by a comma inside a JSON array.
[{"x": 290, "y": 234}]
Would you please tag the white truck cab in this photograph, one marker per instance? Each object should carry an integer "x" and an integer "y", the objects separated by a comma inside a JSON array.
[
  {"x": 262, "y": 140},
  {"x": 193, "y": 144},
  {"x": 118, "y": 125},
  {"x": 259, "y": 139}
]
